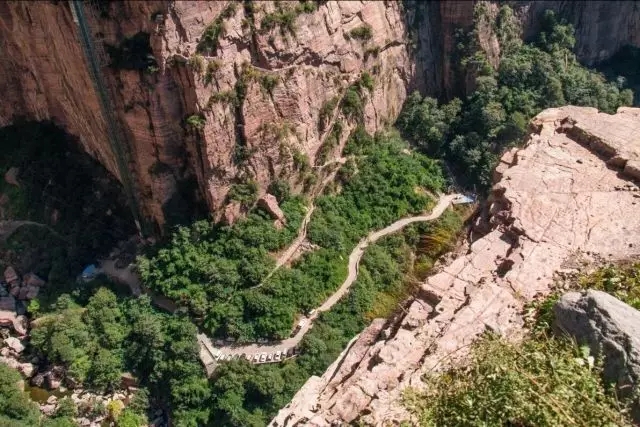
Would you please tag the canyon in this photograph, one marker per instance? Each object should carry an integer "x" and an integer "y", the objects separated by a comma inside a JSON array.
[
  {"x": 176, "y": 167},
  {"x": 267, "y": 115},
  {"x": 558, "y": 204}
]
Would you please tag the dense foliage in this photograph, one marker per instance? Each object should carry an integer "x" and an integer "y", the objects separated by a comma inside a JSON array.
[
  {"x": 218, "y": 273},
  {"x": 15, "y": 406},
  {"x": 250, "y": 395},
  {"x": 531, "y": 77},
  {"x": 97, "y": 336},
  {"x": 16, "y": 409}
]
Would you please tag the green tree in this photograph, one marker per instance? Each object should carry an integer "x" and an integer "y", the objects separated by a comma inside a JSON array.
[
  {"x": 105, "y": 370},
  {"x": 15, "y": 407}
]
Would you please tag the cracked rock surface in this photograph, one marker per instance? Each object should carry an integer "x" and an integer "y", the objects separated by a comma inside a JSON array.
[{"x": 569, "y": 193}]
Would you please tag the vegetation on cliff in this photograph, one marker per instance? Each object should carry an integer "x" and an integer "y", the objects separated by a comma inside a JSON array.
[
  {"x": 218, "y": 273},
  {"x": 544, "y": 380},
  {"x": 245, "y": 394},
  {"x": 545, "y": 73}
]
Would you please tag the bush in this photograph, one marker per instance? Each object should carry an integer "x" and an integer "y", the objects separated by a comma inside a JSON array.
[
  {"x": 326, "y": 112},
  {"x": 351, "y": 105},
  {"x": 362, "y": 32},
  {"x": 246, "y": 193},
  {"x": 196, "y": 62},
  {"x": 209, "y": 41},
  {"x": 269, "y": 82},
  {"x": 196, "y": 121},
  {"x": 228, "y": 97}
]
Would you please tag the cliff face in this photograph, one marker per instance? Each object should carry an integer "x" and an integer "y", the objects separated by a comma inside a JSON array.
[
  {"x": 558, "y": 203},
  {"x": 256, "y": 89},
  {"x": 260, "y": 91}
]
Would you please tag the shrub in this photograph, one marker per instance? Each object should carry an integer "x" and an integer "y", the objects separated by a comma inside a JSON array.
[
  {"x": 196, "y": 62},
  {"x": 209, "y": 41},
  {"x": 196, "y": 121},
  {"x": 212, "y": 67},
  {"x": 245, "y": 193},
  {"x": 362, "y": 32},
  {"x": 226, "y": 97},
  {"x": 269, "y": 82},
  {"x": 327, "y": 111},
  {"x": 351, "y": 105},
  {"x": 366, "y": 81}
]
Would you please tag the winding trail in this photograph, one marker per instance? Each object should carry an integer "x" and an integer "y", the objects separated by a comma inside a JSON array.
[{"x": 208, "y": 350}]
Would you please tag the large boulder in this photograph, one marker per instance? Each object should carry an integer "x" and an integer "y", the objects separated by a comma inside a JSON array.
[
  {"x": 269, "y": 203},
  {"x": 14, "y": 344},
  {"x": 610, "y": 328}
]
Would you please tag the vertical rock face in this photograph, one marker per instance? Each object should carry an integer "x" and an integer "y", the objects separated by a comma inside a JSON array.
[
  {"x": 259, "y": 92},
  {"x": 256, "y": 91}
]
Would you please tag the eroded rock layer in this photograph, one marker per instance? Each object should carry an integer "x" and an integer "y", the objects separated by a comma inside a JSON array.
[
  {"x": 568, "y": 194},
  {"x": 259, "y": 88},
  {"x": 261, "y": 85}
]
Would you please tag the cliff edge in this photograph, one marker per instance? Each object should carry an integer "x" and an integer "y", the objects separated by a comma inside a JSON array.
[{"x": 565, "y": 198}]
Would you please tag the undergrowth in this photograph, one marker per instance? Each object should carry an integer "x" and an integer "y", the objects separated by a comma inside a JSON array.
[
  {"x": 544, "y": 380},
  {"x": 541, "y": 381}
]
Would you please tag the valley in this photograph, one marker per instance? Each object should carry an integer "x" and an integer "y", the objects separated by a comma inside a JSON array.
[{"x": 275, "y": 195}]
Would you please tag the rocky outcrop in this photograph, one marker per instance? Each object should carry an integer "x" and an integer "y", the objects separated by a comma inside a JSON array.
[
  {"x": 559, "y": 199},
  {"x": 25, "y": 289},
  {"x": 269, "y": 203},
  {"x": 610, "y": 328}
]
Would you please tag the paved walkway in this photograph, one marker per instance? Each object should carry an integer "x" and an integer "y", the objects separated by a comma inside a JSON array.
[{"x": 210, "y": 353}]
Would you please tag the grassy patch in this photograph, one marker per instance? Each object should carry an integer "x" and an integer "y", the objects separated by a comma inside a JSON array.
[
  {"x": 541, "y": 381},
  {"x": 621, "y": 281}
]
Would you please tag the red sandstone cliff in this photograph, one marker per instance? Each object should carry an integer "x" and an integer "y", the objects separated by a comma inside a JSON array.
[{"x": 43, "y": 76}]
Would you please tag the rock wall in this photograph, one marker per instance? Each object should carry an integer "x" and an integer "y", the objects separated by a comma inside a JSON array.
[
  {"x": 564, "y": 199},
  {"x": 44, "y": 76},
  {"x": 259, "y": 90}
]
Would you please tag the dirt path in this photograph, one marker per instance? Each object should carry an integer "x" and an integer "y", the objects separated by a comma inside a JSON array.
[
  {"x": 209, "y": 351},
  {"x": 288, "y": 254}
]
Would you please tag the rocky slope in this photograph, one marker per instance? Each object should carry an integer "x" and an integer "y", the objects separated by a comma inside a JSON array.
[
  {"x": 259, "y": 85},
  {"x": 564, "y": 199}
]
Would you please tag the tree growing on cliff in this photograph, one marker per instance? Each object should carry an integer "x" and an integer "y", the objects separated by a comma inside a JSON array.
[{"x": 530, "y": 78}]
